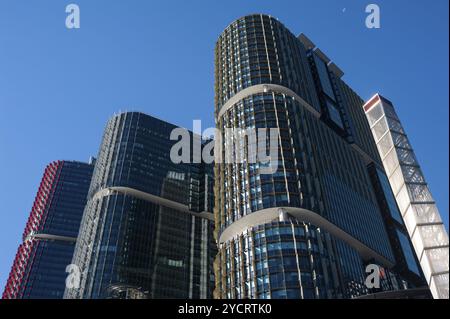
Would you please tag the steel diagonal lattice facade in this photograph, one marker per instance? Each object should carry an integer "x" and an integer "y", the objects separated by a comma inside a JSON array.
[{"x": 412, "y": 194}]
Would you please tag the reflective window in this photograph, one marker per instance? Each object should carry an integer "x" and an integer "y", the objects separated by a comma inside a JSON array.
[
  {"x": 392, "y": 204},
  {"x": 408, "y": 252},
  {"x": 334, "y": 114},
  {"x": 322, "y": 69}
]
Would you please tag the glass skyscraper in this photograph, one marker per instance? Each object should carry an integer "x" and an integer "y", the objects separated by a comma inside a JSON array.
[
  {"x": 39, "y": 269},
  {"x": 310, "y": 229},
  {"x": 417, "y": 207},
  {"x": 147, "y": 230}
]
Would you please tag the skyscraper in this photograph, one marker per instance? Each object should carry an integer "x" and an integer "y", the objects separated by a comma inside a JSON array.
[
  {"x": 39, "y": 269},
  {"x": 147, "y": 227},
  {"x": 417, "y": 206},
  {"x": 310, "y": 229}
]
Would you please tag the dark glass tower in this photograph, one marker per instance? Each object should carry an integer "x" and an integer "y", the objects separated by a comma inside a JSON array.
[
  {"x": 310, "y": 229},
  {"x": 147, "y": 228},
  {"x": 39, "y": 269}
]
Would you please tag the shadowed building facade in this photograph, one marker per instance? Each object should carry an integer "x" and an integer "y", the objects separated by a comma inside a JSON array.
[
  {"x": 310, "y": 229},
  {"x": 39, "y": 269},
  {"x": 147, "y": 227}
]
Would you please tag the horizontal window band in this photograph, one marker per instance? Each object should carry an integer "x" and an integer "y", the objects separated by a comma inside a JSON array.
[
  {"x": 275, "y": 88},
  {"x": 266, "y": 216},
  {"x": 265, "y": 88},
  {"x": 50, "y": 237},
  {"x": 115, "y": 190}
]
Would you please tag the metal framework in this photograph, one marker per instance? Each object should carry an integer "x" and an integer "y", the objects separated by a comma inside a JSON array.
[{"x": 414, "y": 199}]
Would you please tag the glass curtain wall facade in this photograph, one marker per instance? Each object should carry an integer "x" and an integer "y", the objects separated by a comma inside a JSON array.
[
  {"x": 39, "y": 269},
  {"x": 147, "y": 227},
  {"x": 417, "y": 206},
  {"x": 309, "y": 229}
]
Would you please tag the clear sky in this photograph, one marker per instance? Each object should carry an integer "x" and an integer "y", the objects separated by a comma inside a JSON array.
[{"x": 58, "y": 87}]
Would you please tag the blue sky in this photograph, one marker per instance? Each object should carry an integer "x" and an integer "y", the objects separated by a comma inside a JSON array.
[{"x": 58, "y": 87}]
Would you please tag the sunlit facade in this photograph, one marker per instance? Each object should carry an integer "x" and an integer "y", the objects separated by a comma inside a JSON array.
[
  {"x": 417, "y": 206},
  {"x": 310, "y": 229}
]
